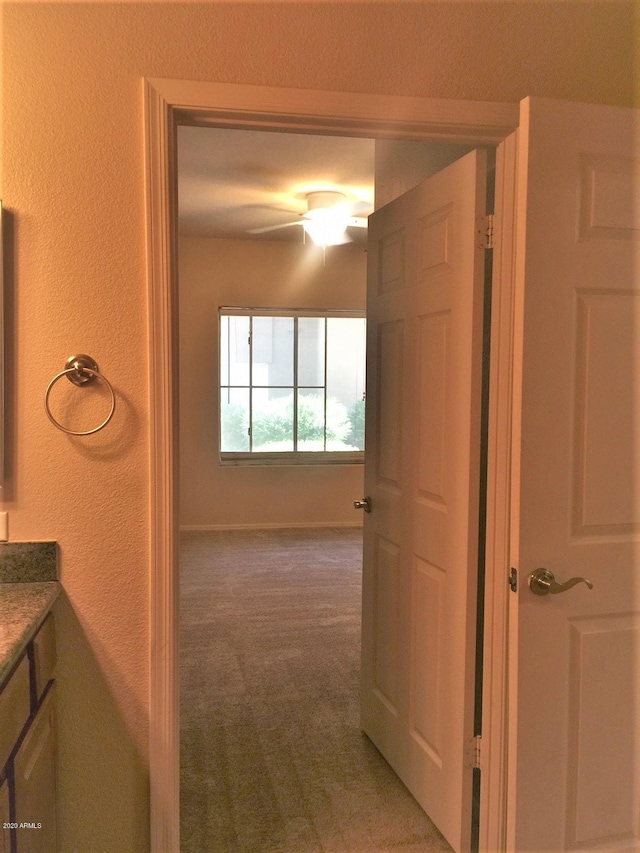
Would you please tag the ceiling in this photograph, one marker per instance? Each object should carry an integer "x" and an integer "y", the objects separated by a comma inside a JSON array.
[{"x": 232, "y": 181}]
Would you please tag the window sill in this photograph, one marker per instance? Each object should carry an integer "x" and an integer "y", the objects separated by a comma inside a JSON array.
[{"x": 293, "y": 458}]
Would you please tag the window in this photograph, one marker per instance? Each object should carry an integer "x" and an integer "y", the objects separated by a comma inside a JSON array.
[{"x": 291, "y": 386}]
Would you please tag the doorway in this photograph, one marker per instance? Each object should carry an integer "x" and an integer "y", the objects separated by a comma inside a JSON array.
[
  {"x": 397, "y": 164},
  {"x": 168, "y": 103}
]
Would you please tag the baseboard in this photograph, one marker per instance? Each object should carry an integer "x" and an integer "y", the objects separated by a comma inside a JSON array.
[{"x": 203, "y": 528}]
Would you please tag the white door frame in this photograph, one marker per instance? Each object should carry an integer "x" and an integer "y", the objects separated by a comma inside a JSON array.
[{"x": 172, "y": 102}]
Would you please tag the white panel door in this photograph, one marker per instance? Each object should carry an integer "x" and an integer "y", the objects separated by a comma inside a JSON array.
[
  {"x": 575, "y": 705},
  {"x": 424, "y": 352}
]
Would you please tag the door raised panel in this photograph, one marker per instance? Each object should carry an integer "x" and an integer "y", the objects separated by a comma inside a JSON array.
[
  {"x": 434, "y": 243},
  {"x": 431, "y": 407},
  {"x": 426, "y": 657},
  {"x": 609, "y": 206},
  {"x": 607, "y": 413},
  {"x": 604, "y": 800},
  {"x": 390, "y": 390},
  {"x": 386, "y": 624},
  {"x": 391, "y": 261}
]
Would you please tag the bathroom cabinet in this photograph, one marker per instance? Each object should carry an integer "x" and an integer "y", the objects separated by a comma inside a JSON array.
[
  {"x": 27, "y": 749},
  {"x": 5, "y": 817}
]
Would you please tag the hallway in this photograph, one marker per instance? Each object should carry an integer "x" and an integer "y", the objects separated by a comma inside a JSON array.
[{"x": 272, "y": 757}]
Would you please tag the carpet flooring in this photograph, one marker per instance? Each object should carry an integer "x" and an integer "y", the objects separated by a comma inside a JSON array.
[{"x": 272, "y": 756}]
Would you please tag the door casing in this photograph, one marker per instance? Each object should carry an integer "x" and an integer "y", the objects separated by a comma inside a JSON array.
[{"x": 169, "y": 103}]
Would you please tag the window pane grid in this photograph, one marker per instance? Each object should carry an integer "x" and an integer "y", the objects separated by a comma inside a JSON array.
[
  {"x": 325, "y": 383},
  {"x": 250, "y": 384},
  {"x": 308, "y": 419},
  {"x": 295, "y": 379}
]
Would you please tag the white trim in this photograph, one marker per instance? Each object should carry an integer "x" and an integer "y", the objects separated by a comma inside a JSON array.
[
  {"x": 297, "y": 525},
  {"x": 231, "y": 311},
  {"x": 260, "y": 459},
  {"x": 477, "y": 122},
  {"x": 164, "y": 697},
  {"x": 168, "y": 102},
  {"x": 493, "y": 800}
]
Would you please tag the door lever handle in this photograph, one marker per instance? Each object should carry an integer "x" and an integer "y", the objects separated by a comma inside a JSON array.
[
  {"x": 543, "y": 582},
  {"x": 364, "y": 504}
]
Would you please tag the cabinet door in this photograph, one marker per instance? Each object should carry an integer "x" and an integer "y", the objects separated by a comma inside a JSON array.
[
  {"x": 5, "y": 835},
  {"x": 14, "y": 709},
  {"x": 35, "y": 782}
]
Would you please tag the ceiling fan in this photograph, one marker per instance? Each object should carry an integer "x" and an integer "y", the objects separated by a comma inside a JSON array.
[{"x": 326, "y": 221}]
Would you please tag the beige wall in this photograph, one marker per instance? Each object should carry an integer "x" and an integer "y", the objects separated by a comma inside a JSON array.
[
  {"x": 265, "y": 274},
  {"x": 72, "y": 179},
  {"x": 401, "y": 164}
]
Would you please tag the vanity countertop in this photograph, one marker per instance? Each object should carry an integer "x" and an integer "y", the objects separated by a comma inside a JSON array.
[{"x": 23, "y": 608}]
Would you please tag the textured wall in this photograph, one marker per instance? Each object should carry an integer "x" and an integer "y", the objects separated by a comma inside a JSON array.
[
  {"x": 72, "y": 179},
  {"x": 262, "y": 274}
]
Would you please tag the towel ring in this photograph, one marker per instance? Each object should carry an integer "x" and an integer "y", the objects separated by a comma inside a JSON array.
[{"x": 81, "y": 370}]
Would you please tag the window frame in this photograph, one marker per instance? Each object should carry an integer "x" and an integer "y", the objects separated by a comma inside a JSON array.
[{"x": 286, "y": 457}]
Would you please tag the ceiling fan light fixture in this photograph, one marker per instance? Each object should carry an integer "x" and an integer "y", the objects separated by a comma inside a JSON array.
[
  {"x": 326, "y": 232},
  {"x": 327, "y": 217},
  {"x": 323, "y": 200}
]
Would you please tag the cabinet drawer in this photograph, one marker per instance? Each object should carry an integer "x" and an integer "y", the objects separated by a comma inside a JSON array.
[
  {"x": 44, "y": 654},
  {"x": 14, "y": 709}
]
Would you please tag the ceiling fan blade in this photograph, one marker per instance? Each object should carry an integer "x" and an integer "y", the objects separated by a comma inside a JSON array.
[
  {"x": 271, "y": 207},
  {"x": 272, "y": 227},
  {"x": 357, "y": 222}
]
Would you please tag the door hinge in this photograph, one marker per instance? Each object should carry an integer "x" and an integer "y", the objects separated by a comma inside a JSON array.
[
  {"x": 513, "y": 580},
  {"x": 472, "y": 753},
  {"x": 484, "y": 231}
]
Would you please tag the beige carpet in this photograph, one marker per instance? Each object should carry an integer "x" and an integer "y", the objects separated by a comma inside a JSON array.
[{"x": 273, "y": 760}]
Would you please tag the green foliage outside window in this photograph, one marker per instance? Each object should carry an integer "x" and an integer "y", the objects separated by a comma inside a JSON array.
[
  {"x": 272, "y": 425},
  {"x": 355, "y": 436}
]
